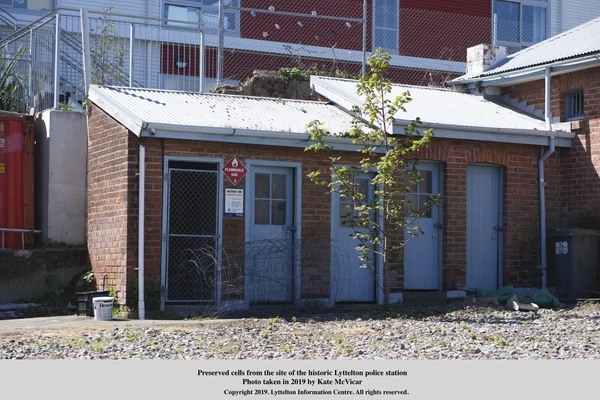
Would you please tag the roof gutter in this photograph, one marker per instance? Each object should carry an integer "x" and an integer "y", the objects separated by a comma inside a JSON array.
[
  {"x": 521, "y": 136},
  {"x": 529, "y": 72}
]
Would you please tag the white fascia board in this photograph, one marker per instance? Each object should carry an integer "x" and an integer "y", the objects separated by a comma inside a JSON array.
[
  {"x": 339, "y": 97},
  {"x": 243, "y": 136},
  {"x": 498, "y": 135},
  {"x": 119, "y": 112}
]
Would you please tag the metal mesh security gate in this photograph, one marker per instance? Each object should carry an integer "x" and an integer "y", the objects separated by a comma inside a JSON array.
[{"x": 192, "y": 232}]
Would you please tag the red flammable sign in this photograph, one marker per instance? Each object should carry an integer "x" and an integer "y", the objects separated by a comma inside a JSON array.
[{"x": 234, "y": 170}]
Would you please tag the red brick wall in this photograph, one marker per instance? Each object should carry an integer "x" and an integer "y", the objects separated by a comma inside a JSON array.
[
  {"x": 113, "y": 203},
  {"x": 520, "y": 208},
  {"x": 112, "y": 215},
  {"x": 579, "y": 165}
]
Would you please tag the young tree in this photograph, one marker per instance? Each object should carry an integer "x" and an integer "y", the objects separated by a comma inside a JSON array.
[
  {"x": 107, "y": 52},
  {"x": 383, "y": 224}
]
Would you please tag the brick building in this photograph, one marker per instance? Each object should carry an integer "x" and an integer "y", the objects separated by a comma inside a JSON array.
[
  {"x": 279, "y": 239},
  {"x": 559, "y": 80}
]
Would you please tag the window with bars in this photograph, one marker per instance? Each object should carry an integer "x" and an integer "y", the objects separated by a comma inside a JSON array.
[{"x": 574, "y": 105}]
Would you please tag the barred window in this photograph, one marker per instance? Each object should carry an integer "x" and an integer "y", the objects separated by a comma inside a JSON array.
[{"x": 574, "y": 105}]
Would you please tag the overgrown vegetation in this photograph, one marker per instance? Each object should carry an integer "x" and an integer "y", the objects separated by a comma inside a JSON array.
[
  {"x": 107, "y": 54},
  {"x": 388, "y": 161},
  {"x": 12, "y": 90}
]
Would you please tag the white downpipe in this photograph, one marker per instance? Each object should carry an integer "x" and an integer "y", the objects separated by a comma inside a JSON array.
[
  {"x": 141, "y": 239},
  {"x": 543, "y": 157}
]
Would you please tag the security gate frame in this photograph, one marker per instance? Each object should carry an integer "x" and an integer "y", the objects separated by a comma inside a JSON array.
[{"x": 190, "y": 267}]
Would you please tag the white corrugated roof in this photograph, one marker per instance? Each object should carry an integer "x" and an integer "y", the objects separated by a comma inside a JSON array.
[
  {"x": 135, "y": 107},
  {"x": 583, "y": 40},
  {"x": 435, "y": 106}
]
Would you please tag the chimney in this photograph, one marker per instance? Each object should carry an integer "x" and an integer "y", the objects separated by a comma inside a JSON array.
[{"x": 482, "y": 57}]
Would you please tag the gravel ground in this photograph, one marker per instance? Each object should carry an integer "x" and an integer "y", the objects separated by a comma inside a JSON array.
[{"x": 461, "y": 330}]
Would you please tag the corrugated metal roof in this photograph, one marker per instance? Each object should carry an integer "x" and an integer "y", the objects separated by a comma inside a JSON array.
[
  {"x": 134, "y": 107},
  {"x": 436, "y": 106},
  {"x": 577, "y": 42}
]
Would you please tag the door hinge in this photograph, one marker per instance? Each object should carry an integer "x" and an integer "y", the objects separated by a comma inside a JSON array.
[
  {"x": 167, "y": 177},
  {"x": 165, "y": 237}
]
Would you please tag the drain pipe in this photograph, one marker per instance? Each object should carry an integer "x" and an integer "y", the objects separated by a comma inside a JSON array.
[
  {"x": 141, "y": 238},
  {"x": 544, "y": 157}
]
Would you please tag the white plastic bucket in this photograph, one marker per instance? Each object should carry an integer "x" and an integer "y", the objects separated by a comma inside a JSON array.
[{"x": 103, "y": 308}]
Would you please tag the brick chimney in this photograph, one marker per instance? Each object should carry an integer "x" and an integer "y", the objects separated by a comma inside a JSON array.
[{"x": 482, "y": 57}]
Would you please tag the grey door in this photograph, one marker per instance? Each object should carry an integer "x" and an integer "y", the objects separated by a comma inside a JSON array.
[
  {"x": 421, "y": 252},
  {"x": 483, "y": 227},
  {"x": 270, "y": 245},
  {"x": 351, "y": 283},
  {"x": 191, "y": 232}
]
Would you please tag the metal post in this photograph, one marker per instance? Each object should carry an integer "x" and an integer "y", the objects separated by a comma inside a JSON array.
[
  {"x": 31, "y": 74},
  {"x": 131, "y": 48},
  {"x": 202, "y": 62},
  {"x": 56, "y": 63},
  {"x": 494, "y": 29},
  {"x": 221, "y": 38},
  {"x": 85, "y": 48},
  {"x": 364, "y": 49}
]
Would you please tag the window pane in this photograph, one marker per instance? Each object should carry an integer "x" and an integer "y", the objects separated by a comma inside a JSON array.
[
  {"x": 411, "y": 204},
  {"x": 345, "y": 214},
  {"x": 229, "y": 23},
  {"x": 179, "y": 13},
  {"x": 362, "y": 187},
  {"x": 386, "y": 14},
  {"x": 278, "y": 210},
  {"x": 262, "y": 186},
  {"x": 386, "y": 39},
  {"x": 508, "y": 20},
  {"x": 426, "y": 212},
  {"x": 261, "y": 212},
  {"x": 534, "y": 24},
  {"x": 210, "y": 18},
  {"x": 425, "y": 184},
  {"x": 279, "y": 186}
]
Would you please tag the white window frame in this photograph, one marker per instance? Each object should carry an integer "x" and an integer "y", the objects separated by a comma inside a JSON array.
[
  {"x": 534, "y": 3},
  {"x": 200, "y": 5},
  {"x": 397, "y": 30}
]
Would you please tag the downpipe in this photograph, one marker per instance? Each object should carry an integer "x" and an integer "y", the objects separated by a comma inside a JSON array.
[
  {"x": 141, "y": 229},
  {"x": 543, "y": 157}
]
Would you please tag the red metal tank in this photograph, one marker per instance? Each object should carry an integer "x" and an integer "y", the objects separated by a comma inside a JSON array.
[{"x": 16, "y": 177}]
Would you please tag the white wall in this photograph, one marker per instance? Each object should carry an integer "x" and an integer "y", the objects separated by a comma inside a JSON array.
[
  {"x": 570, "y": 13},
  {"x": 61, "y": 154}
]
